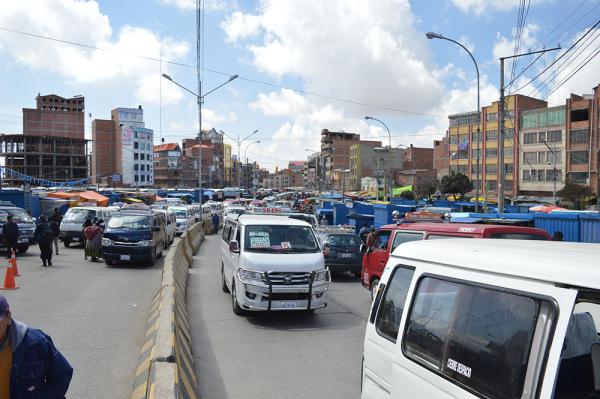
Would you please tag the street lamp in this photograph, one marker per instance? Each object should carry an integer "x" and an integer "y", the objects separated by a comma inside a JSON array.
[
  {"x": 431, "y": 35},
  {"x": 390, "y": 181},
  {"x": 247, "y": 164},
  {"x": 239, "y": 142},
  {"x": 200, "y": 99}
]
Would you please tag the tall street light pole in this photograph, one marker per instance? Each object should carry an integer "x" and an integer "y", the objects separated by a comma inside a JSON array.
[
  {"x": 239, "y": 142},
  {"x": 200, "y": 98},
  {"x": 431, "y": 35},
  {"x": 390, "y": 181},
  {"x": 246, "y": 158}
]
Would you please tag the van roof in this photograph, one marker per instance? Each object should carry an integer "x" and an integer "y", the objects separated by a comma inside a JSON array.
[
  {"x": 93, "y": 208},
  {"x": 550, "y": 261},
  {"x": 260, "y": 219},
  {"x": 466, "y": 228}
]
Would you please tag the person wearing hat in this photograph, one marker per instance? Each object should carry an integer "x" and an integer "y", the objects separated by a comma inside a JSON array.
[{"x": 30, "y": 364}]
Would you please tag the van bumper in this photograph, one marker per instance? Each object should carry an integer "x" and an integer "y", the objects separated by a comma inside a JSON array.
[
  {"x": 71, "y": 235},
  {"x": 126, "y": 254},
  {"x": 282, "y": 298}
]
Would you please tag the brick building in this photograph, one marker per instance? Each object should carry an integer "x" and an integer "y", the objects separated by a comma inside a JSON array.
[
  {"x": 213, "y": 159},
  {"x": 440, "y": 157},
  {"x": 52, "y": 146}
]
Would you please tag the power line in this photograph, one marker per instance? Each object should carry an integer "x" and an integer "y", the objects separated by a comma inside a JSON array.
[
  {"x": 574, "y": 73},
  {"x": 561, "y": 56},
  {"x": 586, "y": 14},
  {"x": 563, "y": 21},
  {"x": 247, "y": 79}
]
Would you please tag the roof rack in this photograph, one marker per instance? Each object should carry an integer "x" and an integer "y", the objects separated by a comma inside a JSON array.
[{"x": 334, "y": 229}]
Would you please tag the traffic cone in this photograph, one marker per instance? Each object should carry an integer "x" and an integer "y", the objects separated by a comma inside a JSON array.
[
  {"x": 9, "y": 280},
  {"x": 13, "y": 263}
]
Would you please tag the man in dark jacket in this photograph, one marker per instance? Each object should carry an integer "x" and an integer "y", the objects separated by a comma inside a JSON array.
[
  {"x": 215, "y": 222},
  {"x": 30, "y": 364},
  {"x": 44, "y": 236},
  {"x": 10, "y": 232}
]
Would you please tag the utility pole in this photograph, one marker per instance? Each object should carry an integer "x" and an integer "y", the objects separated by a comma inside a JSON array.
[
  {"x": 199, "y": 77},
  {"x": 501, "y": 108}
]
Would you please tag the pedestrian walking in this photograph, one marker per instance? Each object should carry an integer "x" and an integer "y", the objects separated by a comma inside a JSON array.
[
  {"x": 557, "y": 236},
  {"x": 86, "y": 224},
  {"x": 44, "y": 236},
  {"x": 215, "y": 222},
  {"x": 55, "y": 220},
  {"x": 371, "y": 235},
  {"x": 30, "y": 364},
  {"x": 363, "y": 233},
  {"x": 10, "y": 233},
  {"x": 93, "y": 240}
]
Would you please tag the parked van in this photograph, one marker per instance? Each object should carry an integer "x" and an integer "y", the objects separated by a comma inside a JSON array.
[
  {"x": 26, "y": 227},
  {"x": 185, "y": 218},
  {"x": 390, "y": 236},
  {"x": 272, "y": 263},
  {"x": 485, "y": 319},
  {"x": 71, "y": 227},
  {"x": 134, "y": 236},
  {"x": 171, "y": 225}
]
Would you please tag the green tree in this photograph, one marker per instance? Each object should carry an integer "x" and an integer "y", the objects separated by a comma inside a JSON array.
[
  {"x": 456, "y": 184},
  {"x": 427, "y": 191},
  {"x": 574, "y": 193}
]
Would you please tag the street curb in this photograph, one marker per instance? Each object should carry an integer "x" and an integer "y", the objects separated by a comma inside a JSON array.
[{"x": 166, "y": 365}]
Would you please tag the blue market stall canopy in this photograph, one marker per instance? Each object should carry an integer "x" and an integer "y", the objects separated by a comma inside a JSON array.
[
  {"x": 466, "y": 220},
  {"x": 322, "y": 211},
  {"x": 360, "y": 216}
]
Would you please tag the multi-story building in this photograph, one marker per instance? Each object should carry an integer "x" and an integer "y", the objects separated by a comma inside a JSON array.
[
  {"x": 542, "y": 137},
  {"x": 52, "y": 146},
  {"x": 123, "y": 149},
  {"x": 335, "y": 151},
  {"x": 440, "y": 156},
  {"x": 228, "y": 167},
  {"x": 465, "y": 148},
  {"x": 416, "y": 158},
  {"x": 364, "y": 161},
  {"x": 212, "y": 157}
]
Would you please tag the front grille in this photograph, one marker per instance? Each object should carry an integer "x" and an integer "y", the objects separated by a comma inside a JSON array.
[
  {"x": 283, "y": 278},
  {"x": 126, "y": 244}
]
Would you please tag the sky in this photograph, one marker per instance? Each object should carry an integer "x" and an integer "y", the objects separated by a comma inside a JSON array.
[{"x": 303, "y": 65}]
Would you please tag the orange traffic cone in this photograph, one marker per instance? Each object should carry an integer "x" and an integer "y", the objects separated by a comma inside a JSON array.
[
  {"x": 9, "y": 280},
  {"x": 13, "y": 263}
]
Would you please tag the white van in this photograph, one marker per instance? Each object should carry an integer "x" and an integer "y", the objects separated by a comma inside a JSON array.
[
  {"x": 485, "y": 319},
  {"x": 71, "y": 227},
  {"x": 171, "y": 224},
  {"x": 185, "y": 218},
  {"x": 272, "y": 263}
]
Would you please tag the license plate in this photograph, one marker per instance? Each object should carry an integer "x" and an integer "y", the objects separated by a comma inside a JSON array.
[
  {"x": 345, "y": 255},
  {"x": 75, "y": 238},
  {"x": 125, "y": 257},
  {"x": 289, "y": 305},
  {"x": 25, "y": 240}
]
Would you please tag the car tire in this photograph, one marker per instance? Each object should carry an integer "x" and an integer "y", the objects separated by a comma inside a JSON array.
[
  {"x": 66, "y": 243},
  {"x": 374, "y": 285},
  {"x": 109, "y": 262},
  {"x": 160, "y": 255},
  {"x": 237, "y": 310},
  {"x": 357, "y": 274},
  {"x": 223, "y": 283},
  {"x": 22, "y": 250}
]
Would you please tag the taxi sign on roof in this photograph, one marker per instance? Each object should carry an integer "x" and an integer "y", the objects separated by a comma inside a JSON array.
[{"x": 424, "y": 217}]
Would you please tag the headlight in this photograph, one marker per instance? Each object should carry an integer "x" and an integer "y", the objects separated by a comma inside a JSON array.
[
  {"x": 146, "y": 243},
  {"x": 322, "y": 275},
  {"x": 106, "y": 241},
  {"x": 249, "y": 276}
]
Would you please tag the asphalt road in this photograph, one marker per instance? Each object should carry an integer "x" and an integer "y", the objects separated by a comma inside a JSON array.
[
  {"x": 95, "y": 315},
  {"x": 278, "y": 355}
]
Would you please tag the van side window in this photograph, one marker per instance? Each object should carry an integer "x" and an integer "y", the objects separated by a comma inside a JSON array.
[
  {"x": 404, "y": 236},
  {"x": 381, "y": 239},
  {"x": 478, "y": 337},
  {"x": 226, "y": 232},
  {"x": 392, "y": 304}
]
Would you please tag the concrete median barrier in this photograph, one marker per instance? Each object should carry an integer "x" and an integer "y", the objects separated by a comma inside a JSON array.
[{"x": 166, "y": 365}]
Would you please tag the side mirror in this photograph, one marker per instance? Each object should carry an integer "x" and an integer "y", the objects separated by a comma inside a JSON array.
[
  {"x": 156, "y": 228},
  {"x": 234, "y": 247}
]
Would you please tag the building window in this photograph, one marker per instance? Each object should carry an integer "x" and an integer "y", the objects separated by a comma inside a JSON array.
[
  {"x": 454, "y": 139},
  {"x": 476, "y": 137},
  {"x": 453, "y": 169},
  {"x": 530, "y": 138},
  {"x": 508, "y": 168},
  {"x": 142, "y": 156},
  {"x": 475, "y": 168},
  {"x": 464, "y": 169},
  {"x": 579, "y": 157},
  {"x": 509, "y": 152},
  {"x": 491, "y": 185},
  {"x": 579, "y": 136},
  {"x": 142, "y": 167},
  {"x": 554, "y": 136},
  {"x": 578, "y": 177},
  {"x": 490, "y": 168},
  {"x": 475, "y": 153},
  {"x": 492, "y": 116},
  {"x": 541, "y": 175},
  {"x": 135, "y": 167},
  {"x": 541, "y": 137},
  {"x": 135, "y": 156},
  {"x": 550, "y": 175},
  {"x": 530, "y": 157},
  {"x": 554, "y": 158},
  {"x": 135, "y": 145},
  {"x": 491, "y": 152},
  {"x": 491, "y": 135},
  {"x": 143, "y": 178}
]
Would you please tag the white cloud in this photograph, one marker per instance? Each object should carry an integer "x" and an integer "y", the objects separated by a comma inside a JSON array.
[
  {"x": 285, "y": 103},
  {"x": 240, "y": 26},
  {"x": 209, "y": 5},
  {"x": 72, "y": 20},
  {"x": 478, "y": 7},
  {"x": 504, "y": 47}
]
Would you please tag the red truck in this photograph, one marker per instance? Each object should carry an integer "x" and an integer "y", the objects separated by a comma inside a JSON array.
[{"x": 388, "y": 237}]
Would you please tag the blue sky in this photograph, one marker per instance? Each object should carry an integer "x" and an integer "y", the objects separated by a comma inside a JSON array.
[{"x": 359, "y": 57}]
